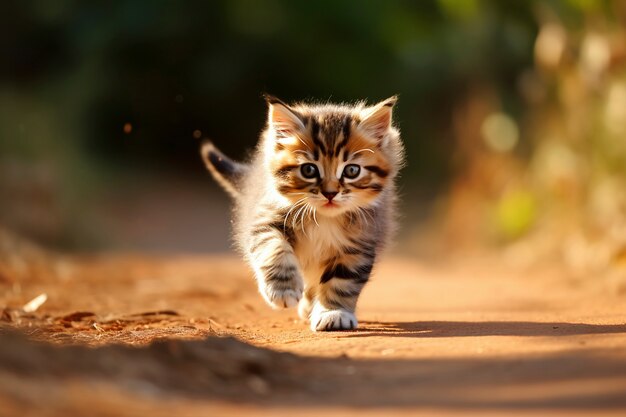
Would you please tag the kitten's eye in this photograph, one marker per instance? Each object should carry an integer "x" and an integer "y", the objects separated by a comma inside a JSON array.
[
  {"x": 351, "y": 171},
  {"x": 309, "y": 170}
]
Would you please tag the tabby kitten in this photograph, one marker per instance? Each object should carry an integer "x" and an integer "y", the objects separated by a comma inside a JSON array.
[{"x": 315, "y": 204}]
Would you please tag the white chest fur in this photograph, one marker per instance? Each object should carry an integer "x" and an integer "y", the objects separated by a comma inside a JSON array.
[{"x": 318, "y": 243}]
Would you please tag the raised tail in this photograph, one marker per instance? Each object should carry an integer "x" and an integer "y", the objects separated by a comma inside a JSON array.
[{"x": 226, "y": 172}]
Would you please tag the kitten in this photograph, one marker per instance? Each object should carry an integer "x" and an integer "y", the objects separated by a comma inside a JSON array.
[{"x": 315, "y": 205}]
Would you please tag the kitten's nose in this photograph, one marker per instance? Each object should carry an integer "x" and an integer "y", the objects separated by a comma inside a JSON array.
[{"x": 329, "y": 194}]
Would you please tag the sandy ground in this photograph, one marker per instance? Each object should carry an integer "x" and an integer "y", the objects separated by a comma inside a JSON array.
[{"x": 127, "y": 335}]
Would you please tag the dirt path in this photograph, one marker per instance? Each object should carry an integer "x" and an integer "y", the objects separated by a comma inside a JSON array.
[{"x": 472, "y": 337}]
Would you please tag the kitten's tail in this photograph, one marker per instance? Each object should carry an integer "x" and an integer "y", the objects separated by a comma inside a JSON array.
[{"x": 226, "y": 172}]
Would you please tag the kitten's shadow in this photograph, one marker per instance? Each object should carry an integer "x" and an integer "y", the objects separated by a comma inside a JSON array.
[{"x": 484, "y": 328}]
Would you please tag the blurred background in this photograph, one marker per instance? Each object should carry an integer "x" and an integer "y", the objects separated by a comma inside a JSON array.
[{"x": 513, "y": 114}]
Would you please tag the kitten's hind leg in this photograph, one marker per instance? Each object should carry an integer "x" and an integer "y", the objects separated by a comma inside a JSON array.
[
  {"x": 306, "y": 304},
  {"x": 276, "y": 267}
]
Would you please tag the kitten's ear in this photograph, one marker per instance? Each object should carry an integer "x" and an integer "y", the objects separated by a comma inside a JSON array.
[
  {"x": 376, "y": 120},
  {"x": 282, "y": 119}
]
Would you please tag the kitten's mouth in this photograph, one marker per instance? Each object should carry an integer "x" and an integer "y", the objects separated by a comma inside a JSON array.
[{"x": 330, "y": 204}]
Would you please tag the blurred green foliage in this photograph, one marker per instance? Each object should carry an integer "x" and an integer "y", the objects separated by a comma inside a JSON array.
[{"x": 75, "y": 72}]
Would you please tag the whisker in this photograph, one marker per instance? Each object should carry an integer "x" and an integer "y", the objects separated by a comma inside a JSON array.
[
  {"x": 296, "y": 204},
  {"x": 368, "y": 214},
  {"x": 363, "y": 150},
  {"x": 297, "y": 215},
  {"x": 304, "y": 143},
  {"x": 294, "y": 222},
  {"x": 305, "y": 214},
  {"x": 363, "y": 217}
]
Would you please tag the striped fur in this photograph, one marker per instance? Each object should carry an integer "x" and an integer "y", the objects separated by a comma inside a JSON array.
[{"x": 312, "y": 241}]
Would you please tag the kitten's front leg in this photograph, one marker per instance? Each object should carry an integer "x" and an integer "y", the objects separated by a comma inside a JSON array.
[
  {"x": 275, "y": 266},
  {"x": 340, "y": 287}
]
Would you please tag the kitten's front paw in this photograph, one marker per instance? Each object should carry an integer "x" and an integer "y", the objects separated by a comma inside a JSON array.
[
  {"x": 282, "y": 298},
  {"x": 327, "y": 320}
]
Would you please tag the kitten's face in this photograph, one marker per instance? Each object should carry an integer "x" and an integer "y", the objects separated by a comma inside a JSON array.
[{"x": 332, "y": 159}]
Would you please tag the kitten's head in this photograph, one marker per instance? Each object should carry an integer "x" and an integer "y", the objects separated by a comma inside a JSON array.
[{"x": 333, "y": 158}]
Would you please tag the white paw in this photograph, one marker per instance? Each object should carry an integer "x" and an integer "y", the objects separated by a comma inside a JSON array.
[
  {"x": 282, "y": 298},
  {"x": 326, "y": 320}
]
